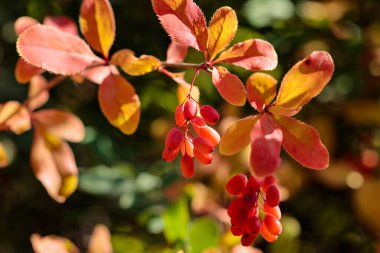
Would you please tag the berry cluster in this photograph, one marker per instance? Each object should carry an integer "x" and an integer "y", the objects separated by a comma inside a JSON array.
[
  {"x": 199, "y": 146},
  {"x": 254, "y": 195}
]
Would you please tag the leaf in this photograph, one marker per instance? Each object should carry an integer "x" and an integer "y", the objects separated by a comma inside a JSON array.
[
  {"x": 56, "y": 51},
  {"x": 127, "y": 244},
  {"x": 204, "y": 234},
  {"x": 38, "y": 93},
  {"x": 183, "y": 21},
  {"x": 254, "y": 54},
  {"x": 266, "y": 140},
  {"x": 176, "y": 52},
  {"x": 176, "y": 219},
  {"x": 119, "y": 103},
  {"x": 304, "y": 81},
  {"x": 25, "y": 71},
  {"x": 303, "y": 143},
  {"x": 100, "y": 241},
  {"x": 221, "y": 30},
  {"x": 237, "y": 136},
  {"x": 15, "y": 116},
  {"x": 97, "y": 23},
  {"x": 261, "y": 90},
  {"x": 229, "y": 86},
  {"x": 51, "y": 243},
  {"x": 4, "y": 158},
  {"x": 63, "y": 23},
  {"x": 184, "y": 89},
  {"x": 23, "y": 23},
  {"x": 134, "y": 66},
  {"x": 97, "y": 74},
  {"x": 62, "y": 124}
]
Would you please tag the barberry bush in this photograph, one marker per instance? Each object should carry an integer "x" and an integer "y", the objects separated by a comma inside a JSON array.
[{"x": 85, "y": 85}]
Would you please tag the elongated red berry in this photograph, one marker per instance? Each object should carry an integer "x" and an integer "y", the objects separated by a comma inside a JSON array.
[
  {"x": 179, "y": 117},
  {"x": 253, "y": 225},
  {"x": 209, "y": 134},
  {"x": 268, "y": 236},
  {"x": 197, "y": 123},
  {"x": 187, "y": 147},
  {"x": 272, "y": 224},
  {"x": 187, "y": 166},
  {"x": 169, "y": 155},
  {"x": 269, "y": 180},
  {"x": 203, "y": 158},
  {"x": 202, "y": 145},
  {"x": 209, "y": 114},
  {"x": 190, "y": 110},
  {"x": 272, "y": 196},
  {"x": 253, "y": 184},
  {"x": 236, "y": 184},
  {"x": 274, "y": 211},
  {"x": 237, "y": 230},
  {"x": 247, "y": 239},
  {"x": 173, "y": 139}
]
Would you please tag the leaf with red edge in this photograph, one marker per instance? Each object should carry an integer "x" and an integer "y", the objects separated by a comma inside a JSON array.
[
  {"x": 176, "y": 52},
  {"x": 63, "y": 23},
  {"x": 62, "y": 124},
  {"x": 304, "y": 81},
  {"x": 134, "y": 66},
  {"x": 38, "y": 93},
  {"x": 23, "y": 23},
  {"x": 183, "y": 21},
  {"x": 254, "y": 54},
  {"x": 14, "y": 116},
  {"x": 237, "y": 136},
  {"x": 51, "y": 243},
  {"x": 229, "y": 86},
  {"x": 97, "y": 23},
  {"x": 25, "y": 71},
  {"x": 303, "y": 143},
  {"x": 261, "y": 90},
  {"x": 120, "y": 103},
  {"x": 266, "y": 140},
  {"x": 56, "y": 51},
  {"x": 221, "y": 30},
  {"x": 100, "y": 241}
]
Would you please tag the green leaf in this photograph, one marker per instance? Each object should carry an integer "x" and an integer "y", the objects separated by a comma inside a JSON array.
[
  {"x": 127, "y": 244},
  {"x": 204, "y": 234},
  {"x": 176, "y": 219}
]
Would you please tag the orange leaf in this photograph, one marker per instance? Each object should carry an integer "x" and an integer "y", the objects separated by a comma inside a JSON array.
[
  {"x": 23, "y": 23},
  {"x": 62, "y": 124},
  {"x": 221, "y": 30},
  {"x": 49, "y": 244},
  {"x": 56, "y": 51},
  {"x": 266, "y": 140},
  {"x": 15, "y": 116},
  {"x": 304, "y": 81},
  {"x": 63, "y": 23},
  {"x": 176, "y": 52},
  {"x": 237, "y": 136},
  {"x": 184, "y": 89},
  {"x": 183, "y": 21},
  {"x": 261, "y": 90},
  {"x": 303, "y": 143},
  {"x": 97, "y": 23},
  {"x": 25, "y": 71},
  {"x": 4, "y": 159},
  {"x": 100, "y": 241},
  {"x": 229, "y": 86},
  {"x": 120, "y": 103},
  {"x": 134, "y": 66},
  {"x": 254, "y": 54},
  {"x": 38, "y": 93}
]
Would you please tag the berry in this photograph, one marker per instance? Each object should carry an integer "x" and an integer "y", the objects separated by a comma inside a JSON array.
[
  {"x": 272, "y": 224},
  {"x": 203, "y": 158},
  {"x": 269, "y": 180},
  {"x": 169, "y": 155},
  {"x": 268, "y": 236},
  {"x": 209, "y": 134},
  {"x": 202, "y": 145},
  {"x": 173, "y": 139},
  {"x": 236, "y": 184},
  {"x": 247, "y": 239},
  {"x": 190, "y": 110},
  {"x": 272, "y": 196},
  {"x": 253, "y": 225},
  {"x": 187, "y": 166},
  {"x": 179, "y": 118},
  {"x": 237, "y": 230},
  {"x": 274, "y": 211},
  {"x": 187, "y": 148},
  {"x": 209, "y": 114}
]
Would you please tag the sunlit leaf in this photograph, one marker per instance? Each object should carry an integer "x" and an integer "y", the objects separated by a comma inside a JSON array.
[
  {"x": 38, "y": 93},
  {"x": 63, "y": 23},
  {"x": 184, "y": 89},
  {"x": 97, "y": 23},
  {"x": 303, "y": 143},
  {"x": 97, "y": 74},
  {"x": 100, "y": 241},
  {"x": 266, "y": 140},
  {"x": 221, "y": 30},
  {"x": 127, "y": 244},
  {"x": 23, "y": 23},
  {"x": 176, "y": 52},
  {"x": 51, "y": 243},
  {"x": 229, "y": 86},
  {"x": 119, "y": 103},
  {"x": 261, "y": 90},
  {"x": 204, "y": 234},
  {"x": 304, "y": 81},
  {"x": 237, "y": 136},
  {"x": 56, "y": 51},
  {"x": 25, "y": 71},
  {"x": 4, "y": 159},
  {"x": 183, "y": 21},
  {"x": 254, "y": 54},
  {"x": 176, "y": 219},
  {"x": 15, "y": 116},
  {"x": 134, "y": 66}
]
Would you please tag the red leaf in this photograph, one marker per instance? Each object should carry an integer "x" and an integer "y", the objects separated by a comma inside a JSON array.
[
  {"x": 229, "y": 86},
  {"x": 254, "y": 54},
  {"x": 23, "y": 23},
  {"x": 56, "y": 51},
  {"x": 63, "y": 23},
  {"x": 266, "y": 140},
  {"x": 303, "y": 143},
  {"x": 176, "y": 52},
  {"x": 25, "y": 71},
  {"x": 183, "y": 21}
]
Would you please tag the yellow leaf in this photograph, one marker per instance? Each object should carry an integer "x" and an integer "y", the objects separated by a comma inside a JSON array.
[
  {"x": 221, "y": 30},
  {"x": 184, "y": 89},
  {"x": 4, "y": 159},
  {"x": 261, "y": 90},
  {"x": 237, "y": 136},
  {"x": 134, "y": 66}
]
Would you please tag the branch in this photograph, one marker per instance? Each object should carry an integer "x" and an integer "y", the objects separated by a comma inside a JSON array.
[{"x": 183, "y": 65}]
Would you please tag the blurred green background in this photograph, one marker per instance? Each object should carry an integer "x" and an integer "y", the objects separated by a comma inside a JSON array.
[{"x": 145, "y": 202}]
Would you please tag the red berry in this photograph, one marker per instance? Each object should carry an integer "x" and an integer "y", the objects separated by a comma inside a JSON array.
[
  {"x": 197, "y": 123},
  {"x": 253, "y": 225},
  {"x": 272, "y": 196},
  {"x": 169, "y": 155},
  {"x": 202, "y": 145},
  {"x": 187, "y": 148},
  {"x": 237, "y": 230},
  {"x": 269, "y": 180},
  {"x": 209, "y": 134},
  {"x": 173, "y": 139},
  {"x": 190, "y": 110},
  {"x": 253, "y": 184},
  {"x": 209, "y": 114},
  {"x": 272, "y": 224},
  {"x": 247, "y": 239},
  {"x": 203, "y": 158},
  {"x": 179, "y": 118},
  {"x": 268, "y": 236},
  {"x": 236, "y": 184},
  {"x": 275, "y": 211},
  {"x": 187, "y": 166}
]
